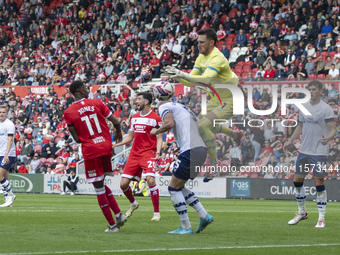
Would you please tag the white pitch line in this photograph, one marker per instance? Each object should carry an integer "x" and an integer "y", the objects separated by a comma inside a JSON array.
[
  {"x": 8, "y": 210},
  {"x": 178, "y": 249}
]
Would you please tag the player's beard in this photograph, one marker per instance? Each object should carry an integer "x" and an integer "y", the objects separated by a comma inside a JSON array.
[{"x": 141, "y": 107}]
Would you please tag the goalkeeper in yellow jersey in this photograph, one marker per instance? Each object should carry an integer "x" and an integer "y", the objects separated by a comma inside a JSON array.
[{"x": 211, "y": 67}]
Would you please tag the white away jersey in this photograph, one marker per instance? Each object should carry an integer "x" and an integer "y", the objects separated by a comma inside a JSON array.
[
  {"x": 185, "y": 129},
  {"x": 6, "y": 127},
  {"x": 314, "y": 126}
]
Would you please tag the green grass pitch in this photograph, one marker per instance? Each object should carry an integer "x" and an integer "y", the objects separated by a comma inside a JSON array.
[{"x": 54, "y": 224}]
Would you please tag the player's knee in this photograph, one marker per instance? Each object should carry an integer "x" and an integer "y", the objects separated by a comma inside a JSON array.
[
  {"x": 124, "y": 185},
  {"x": 151, "y": 181}
]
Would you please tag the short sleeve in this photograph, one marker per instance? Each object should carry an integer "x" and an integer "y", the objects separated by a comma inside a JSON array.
[
  {"x": 329, "y": 114},
  {"x": 67, "y": 118},
  {"x": 104, "y": 109},
  {"x": 132, "y": 127},
  {"x": 163, "y": 110},
  {"x": 10, "y": 128}
]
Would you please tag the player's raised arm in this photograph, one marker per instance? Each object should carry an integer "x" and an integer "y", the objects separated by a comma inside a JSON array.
[
  {"x": 118, "y": 135},
  {"x": 125, "y": 140},
  {"x": 168, "y": 123}
]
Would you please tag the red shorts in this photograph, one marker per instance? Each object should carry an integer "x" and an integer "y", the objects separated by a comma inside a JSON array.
[
  {"x": 97, "y": 168},
  {"x": 135, "y": 165}
]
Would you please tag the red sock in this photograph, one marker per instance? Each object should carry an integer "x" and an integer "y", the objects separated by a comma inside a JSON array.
[
  {"x": 154, "y": 197},
  {"x": 112, "y": 201},
  {"x": 129, "y": 195},
  {"x": 104, "y": 205}
]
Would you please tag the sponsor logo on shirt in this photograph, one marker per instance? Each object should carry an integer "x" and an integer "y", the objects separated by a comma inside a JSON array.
[{"x": 99, "y": 139}]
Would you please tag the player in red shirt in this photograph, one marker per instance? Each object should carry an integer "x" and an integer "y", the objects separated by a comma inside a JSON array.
[
  {"x": 145, "y": 150},
  {"x": 86, "y": 121}
]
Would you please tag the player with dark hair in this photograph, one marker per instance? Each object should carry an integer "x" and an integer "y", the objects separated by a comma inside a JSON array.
[
  {"x": 317, "y": 130},
  {"x": 86, "y": 121},
  {"x": 7, "y": 154},
  {"x": 145, "y": 150},
  {"x": 211, "y": 67}
]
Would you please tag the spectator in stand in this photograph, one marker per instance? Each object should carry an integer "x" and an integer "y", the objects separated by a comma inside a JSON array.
[
  {"x": 241, "y": 39},
  {"x": 166, "y": 58},
  {"x": 49, "y": 150},
  {"x": 35, "y": 165},
  {"x": 310, "y": 66},
  {"x": 225, "y": 51},
  {"x": 155, "y": 65},
  {"x": 145, "y": 72},
  {"x": 333, "y": 93},
  {"x": 290, "y": 58},
  {"x": 319, "y": 43},
  {"x": 333, "y": 73},
  {"x": 281, "y": 73},
  {"x": 327, "y": 28},
  {"x": 269, "y": 73}
]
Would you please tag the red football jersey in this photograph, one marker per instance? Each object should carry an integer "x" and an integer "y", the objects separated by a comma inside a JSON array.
[
  {"x": 88, "y": 118},
  {"x": 141, "y": 125}
]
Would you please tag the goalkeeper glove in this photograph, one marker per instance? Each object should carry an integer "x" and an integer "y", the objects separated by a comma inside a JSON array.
[{"x": 176, "y": 74}]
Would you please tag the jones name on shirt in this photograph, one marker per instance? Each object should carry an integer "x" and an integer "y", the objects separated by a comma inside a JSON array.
[{"x": 86, "y": 109}]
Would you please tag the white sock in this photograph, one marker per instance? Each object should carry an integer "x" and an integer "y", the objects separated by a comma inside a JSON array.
[
  {"x": 134, "y": 203},
  {"x": 6, "y": 188},
  {"x": 192, "y": 200},
  {"x": 156, "y": 213},
  {"x": 321, "y": 201},
  {"x": 178, "y": 201},
  {"x": 300, "y": 195}
]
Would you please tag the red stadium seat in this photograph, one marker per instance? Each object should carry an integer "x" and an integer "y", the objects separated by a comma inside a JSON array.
[
  {"x": 240, "y": 63},
  {"x": 324, "y": 54},
  {"x": 37, "y": 148},
  {"x": 232, "y": 13},
  {"x": 332, "y": 54},
  {"x": 223, "y": 19},
  {"x": 247, "y": 69},
  {"x": 249, "y": 63},
  {"x": 321, "y": 76},
  {"x": 312, "y": 76},
  {"x": 43, "y": 161},
  {"x": 57, "y": 139},
  {"x": 238, "y": 68},
  {"x": 244, "y": 75}
]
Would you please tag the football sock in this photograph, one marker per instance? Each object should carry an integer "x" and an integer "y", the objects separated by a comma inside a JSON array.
[
  {"x": 104, "y": 205},
  {"x": 129, "y": 195},
  {"x": 300, "y": 195},
  {"x": 205, "y": 127},
  {"x": 6, "y": 187},
  {"x": 192, "y": 200},
  {"x": 321, "y": 201},
  {"x": 178, "y": 201},
  {"x": 154, "y": 197},
  {"x": 112, "y": 201}
]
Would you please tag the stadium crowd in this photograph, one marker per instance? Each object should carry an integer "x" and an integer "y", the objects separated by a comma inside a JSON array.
[{"x": 57, "y": 42}]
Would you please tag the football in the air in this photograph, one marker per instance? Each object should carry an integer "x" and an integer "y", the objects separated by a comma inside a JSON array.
[{"x": 163, "y": 90}]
